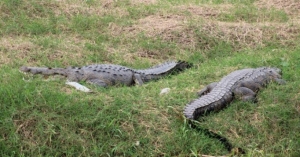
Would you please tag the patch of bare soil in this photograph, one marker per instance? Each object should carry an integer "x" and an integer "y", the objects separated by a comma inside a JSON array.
[
  {"x": 13, "y": 44},
  {"x": 3, "y": 59},
  {"x": 143, "y": 1},
  {"x": 205, "y": 11},
  {"x": 291, "y": 7},
  {"x": 177, "y": 28},
  {"x": 10, "y": 45},
  {"x": 250, "y": 35},
  {"x": 82, "y": 8},
  {"x": 173, "y": 28},
  {"x": 18, "y": 48},
  {"x": 154, "y": 25}
]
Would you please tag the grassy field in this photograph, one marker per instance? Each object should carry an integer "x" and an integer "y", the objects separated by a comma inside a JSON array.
[{"x": 44, "y": 117}]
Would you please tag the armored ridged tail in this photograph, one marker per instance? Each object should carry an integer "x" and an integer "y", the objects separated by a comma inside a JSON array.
[{"x": 165, "y": 68}]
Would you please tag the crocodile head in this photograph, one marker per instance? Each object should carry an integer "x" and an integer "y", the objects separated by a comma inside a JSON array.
[{"x": 273, "y": 72}]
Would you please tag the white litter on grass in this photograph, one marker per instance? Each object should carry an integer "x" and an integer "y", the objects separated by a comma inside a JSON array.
[
  {"x": 25, "y": 79},
  {"x": 24, "y": 74},
  {"x": 165, "y": 91},
  {"x": 137, "y": 143},
  {"x": 78, "y": 86}
]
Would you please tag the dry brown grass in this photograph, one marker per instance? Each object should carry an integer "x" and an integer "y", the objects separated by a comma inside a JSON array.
[
  {"x": 77, "y": 7},
  {"x": 154, "y": 25},
  {"x": 20, "y": 48},
  {"x": 205, "y": 11},
  {"x": 138, "y": 2},
  {"x": 250, "y": 35},
  {"x": 15, "y": 45},
  {"x": 169, "y": 27},
  {"x": 26, "y": 129},
  {"x": 176, "y": 27},
  {"x": 291, "y": 7},
  {"x": 159, "y": 24},
  {"x": 240, "y": 34}
]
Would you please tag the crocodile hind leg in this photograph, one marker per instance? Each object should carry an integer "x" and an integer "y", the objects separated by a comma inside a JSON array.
[
  {"x": 207, "y": 89},
  {"x": 97, "y": 82},
  {"x": 254, "y": 86},
  {"x": 245, "y": 94},
  {"x": 138, "y": 79}
]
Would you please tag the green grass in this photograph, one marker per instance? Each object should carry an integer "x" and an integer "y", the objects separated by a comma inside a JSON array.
[
  {"x": 44, "y": 117},
  {"x": 253, "y": 14}
]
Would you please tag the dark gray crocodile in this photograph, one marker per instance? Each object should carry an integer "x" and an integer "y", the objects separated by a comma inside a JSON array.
[
  {"x": 109, "y": 74},
  {"x": 243, "y": 84}
]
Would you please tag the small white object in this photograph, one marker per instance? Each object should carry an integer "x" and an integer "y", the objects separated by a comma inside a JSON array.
[
  {"x": 137, "y": 143},
  {"x": 165, "y": 91},
  {"x": 78, "y": 86},
  {"x": 25, "y": 79}
]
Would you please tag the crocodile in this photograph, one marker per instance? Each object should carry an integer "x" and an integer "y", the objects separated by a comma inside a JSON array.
[
  {"x": 243, "y": 84},
  {"x": 105, "y": 75}
]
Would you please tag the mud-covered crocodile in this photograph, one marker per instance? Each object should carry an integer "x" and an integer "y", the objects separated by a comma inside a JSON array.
[
  {"x": 109, "y": 74},
  {"x": 243, "y": 84}
]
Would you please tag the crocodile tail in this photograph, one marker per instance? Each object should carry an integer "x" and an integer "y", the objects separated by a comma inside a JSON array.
[
  {"x": 182, "y": 65},
  {"x": 165, "y": 68},
  {"x": 44, "y": 71}
]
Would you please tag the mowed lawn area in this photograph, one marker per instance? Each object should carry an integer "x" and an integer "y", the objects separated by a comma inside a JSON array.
[{"x": 42, "y": 116}]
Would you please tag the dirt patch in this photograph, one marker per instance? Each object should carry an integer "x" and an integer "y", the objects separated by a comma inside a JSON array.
[
  {"x": 205, "y": 11},
  {"x": 143, "y": 2},
  {"x": 4, "y": 60},
  {"x": 250, "y": 35},
  {"x": 17, "y": 44},
  {"x": 13, "y": 49},
  {"x": 158, "y": 24},
  {"x": 291, "y": 7},
  {"x": 202, "y": 11},
  {"x": 154, "y": 25},
  {"x": 105, "y": 7},
  {"x": 175, "y": 28},
  {"x": 241, "y": 33}
]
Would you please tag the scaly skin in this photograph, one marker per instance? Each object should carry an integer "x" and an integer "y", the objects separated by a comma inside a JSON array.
[
  {"x": 109, "y": 74},
  {"x": 158, "y": 71},
  {"x": 241, "y": 83}
]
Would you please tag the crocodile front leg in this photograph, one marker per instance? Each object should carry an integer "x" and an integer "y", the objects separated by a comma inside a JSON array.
[
  {"x": 207, "y": 89},
  {"x": 280, "y": 81},
  {"x": 245, "y": 94}
]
